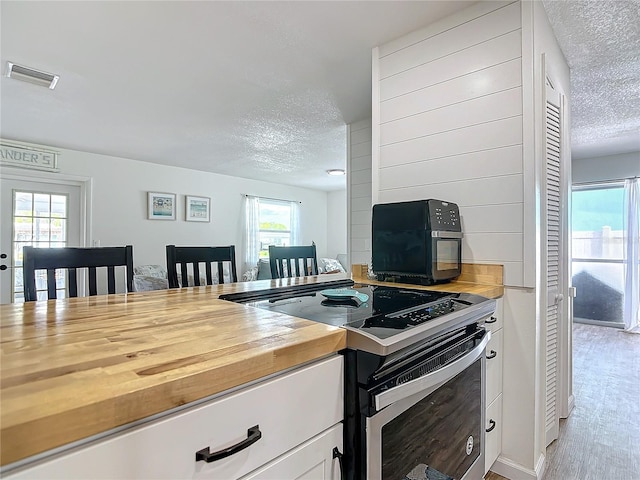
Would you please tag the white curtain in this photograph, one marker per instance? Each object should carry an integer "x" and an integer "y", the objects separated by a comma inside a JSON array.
[
  {"x": 252, "y": 231},
  {"x": 295, "y": 223},
  {"x": 631, "y": 313}
]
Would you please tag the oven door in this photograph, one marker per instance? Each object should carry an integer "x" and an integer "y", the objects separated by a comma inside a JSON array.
[{"x": 436, "y": 432}]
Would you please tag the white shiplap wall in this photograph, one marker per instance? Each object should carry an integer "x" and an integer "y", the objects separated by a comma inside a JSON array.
[
  {"x": 360, "y": 191},
  {"x": 448, "y": 122}
]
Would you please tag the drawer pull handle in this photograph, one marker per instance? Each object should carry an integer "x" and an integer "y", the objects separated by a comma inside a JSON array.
[
  {"x": 339, "y": 455},
  {"x": 492, "y": 425},
  {"x": 492, "y": 354},
  {"x": 491, "y": 320},
  {"x": 253, "y": 435}
]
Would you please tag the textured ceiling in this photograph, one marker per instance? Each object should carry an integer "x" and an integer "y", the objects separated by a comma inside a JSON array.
[
  {"x": 263, "y": 89},
  {"x": 601, "y": 42}
]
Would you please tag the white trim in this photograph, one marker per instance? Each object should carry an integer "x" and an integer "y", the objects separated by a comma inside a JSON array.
[
  {"x": 565, "y": 344},
  {"x": 509, "y": 469},
  {"x": 349, "y": 188},
  {"x": 84, "y": 183},
  {"x": 530, "y": 158},
  {"x": 571, "y": 403},
  {"x": 375, "y": 125}
]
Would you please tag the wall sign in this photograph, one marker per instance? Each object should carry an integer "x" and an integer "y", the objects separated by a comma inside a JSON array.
[{"x": 28, "y": 157}]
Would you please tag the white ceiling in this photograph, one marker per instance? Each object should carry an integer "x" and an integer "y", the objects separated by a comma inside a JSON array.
[
  {"x": 259, "y": 90},
  {"x": 601, "y": 42}
]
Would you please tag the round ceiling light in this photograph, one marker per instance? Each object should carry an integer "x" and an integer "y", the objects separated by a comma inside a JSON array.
[{"x": 335, "y": 171}]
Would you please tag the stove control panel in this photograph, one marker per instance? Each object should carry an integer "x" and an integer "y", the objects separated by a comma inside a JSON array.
[{"x": 426, "y": 313}]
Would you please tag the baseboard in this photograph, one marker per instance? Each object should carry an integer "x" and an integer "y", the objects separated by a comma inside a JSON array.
[
  {"x": 514, "y": 471},
  {"x": 571, "y": 403}
]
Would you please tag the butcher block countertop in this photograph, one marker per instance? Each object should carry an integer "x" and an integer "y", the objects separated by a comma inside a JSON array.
[{"x": 74, "y": 368}]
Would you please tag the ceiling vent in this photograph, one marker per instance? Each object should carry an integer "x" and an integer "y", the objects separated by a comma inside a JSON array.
[{"x": 30, "y": 75}]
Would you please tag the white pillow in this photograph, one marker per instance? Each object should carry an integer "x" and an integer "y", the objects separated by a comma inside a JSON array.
[{"x": 326, "y": 265}]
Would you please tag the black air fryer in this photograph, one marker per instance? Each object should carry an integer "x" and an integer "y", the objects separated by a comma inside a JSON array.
[{"x": 417, "y": 242}]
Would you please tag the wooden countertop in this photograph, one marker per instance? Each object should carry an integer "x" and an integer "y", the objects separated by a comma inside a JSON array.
[
  {"x": 78, "y": 367},
  {"x": 479, "y": 279}
]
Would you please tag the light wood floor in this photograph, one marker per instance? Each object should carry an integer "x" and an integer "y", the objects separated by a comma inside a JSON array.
[{"x": 601, "y": 438}]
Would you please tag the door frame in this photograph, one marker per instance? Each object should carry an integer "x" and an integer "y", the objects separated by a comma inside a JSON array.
[
  {"x": 564, "y": 379},
  {"x": 84, "y": 183}
]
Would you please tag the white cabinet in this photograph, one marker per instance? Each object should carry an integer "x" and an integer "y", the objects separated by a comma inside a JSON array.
[
  {"x": 493, "y": 438},
  {"x": 493, "y": 395},
  {"x": 312, "y": 460},
  {"x": 290, "y": 411}
]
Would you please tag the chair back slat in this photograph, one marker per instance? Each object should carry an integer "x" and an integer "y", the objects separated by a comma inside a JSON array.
[
  {"x": 51, "y": 283},
  {"x": 111, "y": 279},
  {"x": 184, "y": 257},
  {"x": 209, "y": 275},
  {"x": 73, "y": 259},
  {"x": 93, "y": 281},
  {"x": 220, "y": 271},
  {"x": 183, "y": 272},
  {"x": 72, "y": 277},
  {"x": 283, "y": 261},
  {"x": 196, "y": 273}
]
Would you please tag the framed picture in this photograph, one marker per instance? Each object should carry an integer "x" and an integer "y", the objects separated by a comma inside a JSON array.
[
  {"x": 161, "y": 206},
  {"x": 198, "y": 209}
]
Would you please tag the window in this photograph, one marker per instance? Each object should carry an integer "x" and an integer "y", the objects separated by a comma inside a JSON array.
[
  {"x": 39, "y": 220},
  {"x": 275, "y": 225},
  {"x": 598, "y": 253},
  {"x": 268, "y": 222}
]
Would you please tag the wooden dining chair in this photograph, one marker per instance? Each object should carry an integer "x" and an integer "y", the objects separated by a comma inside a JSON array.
[
  {"x": 192, "y": 257},
  {"x": 285, "y": 260},
  {"x": 74, "y": 261}
]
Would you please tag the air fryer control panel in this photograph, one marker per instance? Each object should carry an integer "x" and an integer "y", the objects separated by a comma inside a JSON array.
[{"x": 444, "y": 216}]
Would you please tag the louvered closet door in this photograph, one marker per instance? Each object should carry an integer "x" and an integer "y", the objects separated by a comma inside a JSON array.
[{"x": 553, "y": 143}]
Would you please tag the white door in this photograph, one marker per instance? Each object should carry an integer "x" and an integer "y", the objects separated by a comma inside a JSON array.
[
  {"x": 554, "y": 211},
  {"x": 36, "y": 213}
]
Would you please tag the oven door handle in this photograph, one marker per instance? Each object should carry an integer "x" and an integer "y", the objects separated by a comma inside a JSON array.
[{"x": 432, "y": 379}]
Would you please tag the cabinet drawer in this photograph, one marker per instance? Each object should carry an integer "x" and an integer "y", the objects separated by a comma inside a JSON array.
[
  {"x": 493, "y": 439},
  {"x": 288, "y": 409},
  {"x": 496, "y": 321},
  {"x": 494, "y": 366},
  {"x": 312, "y": 460}
]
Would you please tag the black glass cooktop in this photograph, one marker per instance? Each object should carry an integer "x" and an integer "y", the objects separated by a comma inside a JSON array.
[
  {"x": 374, "y": 306},
  {"x": 378, "y": 319}
]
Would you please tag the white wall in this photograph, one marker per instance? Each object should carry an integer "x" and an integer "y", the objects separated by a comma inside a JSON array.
[
  {"x": 611, "y": 167},
  {"x": 449, "y": 117},
  {"x": 359, "y": 191},
  {"x": 119, "y": 205},
  {"x": 457, "y": 116},
  {"x": 336, "y": 223}
]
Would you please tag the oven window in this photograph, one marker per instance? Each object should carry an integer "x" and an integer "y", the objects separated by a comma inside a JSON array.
[
  {"x": 446, "y": 255},
  {"x": 429, "y": 440}
]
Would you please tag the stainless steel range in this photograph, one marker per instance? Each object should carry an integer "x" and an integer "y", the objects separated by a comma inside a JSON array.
[{"x": 414, "y": 375}]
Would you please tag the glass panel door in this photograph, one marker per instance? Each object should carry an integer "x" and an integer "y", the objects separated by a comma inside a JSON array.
[
  {"x": 598, "y": 253},
  {"x": 40, "y": 214}
]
